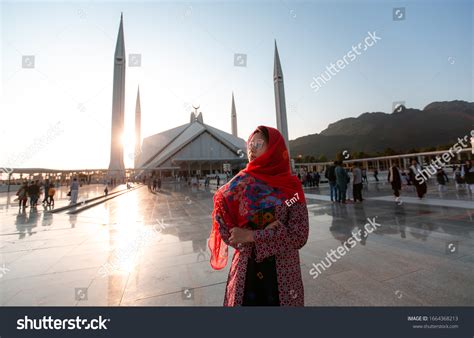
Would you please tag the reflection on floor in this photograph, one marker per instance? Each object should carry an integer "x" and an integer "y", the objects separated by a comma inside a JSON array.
[{"x": 150, "y": 249}]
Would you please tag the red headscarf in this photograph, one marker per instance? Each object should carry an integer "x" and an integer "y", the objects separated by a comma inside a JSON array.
[{"x": 273, "y": 168}]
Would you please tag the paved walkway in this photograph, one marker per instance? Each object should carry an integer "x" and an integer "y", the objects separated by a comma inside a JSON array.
[{"x": 150, "y": 249}]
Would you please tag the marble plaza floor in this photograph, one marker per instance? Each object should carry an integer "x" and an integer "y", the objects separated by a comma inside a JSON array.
[{"x": 146, "y": 249}]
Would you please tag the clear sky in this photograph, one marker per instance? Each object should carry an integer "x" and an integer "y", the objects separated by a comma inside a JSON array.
[{"x": 187, "y": 52}]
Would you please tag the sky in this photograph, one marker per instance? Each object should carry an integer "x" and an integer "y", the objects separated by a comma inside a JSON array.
[{"x": 57, "y": 112}]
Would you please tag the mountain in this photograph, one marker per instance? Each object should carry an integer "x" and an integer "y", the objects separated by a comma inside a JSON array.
[{"x": 438, "y": 124}]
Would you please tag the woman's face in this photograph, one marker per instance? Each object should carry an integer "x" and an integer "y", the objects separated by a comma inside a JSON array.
[{"x": 256, "y": 146}]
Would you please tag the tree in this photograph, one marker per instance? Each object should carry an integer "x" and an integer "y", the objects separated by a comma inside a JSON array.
[{"x": 389, "y": 152}]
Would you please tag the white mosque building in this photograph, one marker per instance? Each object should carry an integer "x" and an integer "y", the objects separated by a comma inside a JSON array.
[{"x": 194, "y": 148}]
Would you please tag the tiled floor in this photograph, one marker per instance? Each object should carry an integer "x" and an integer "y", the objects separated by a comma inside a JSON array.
[{"x": 150, "y": 249}]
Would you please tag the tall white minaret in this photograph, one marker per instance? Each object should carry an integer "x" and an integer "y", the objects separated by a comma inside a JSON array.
[
  {"x": 118, "y": 103},
  {"x": 138, "y": 128},
  {"x": 233, "y": 116},
  {"x": 280, "y": 105}
]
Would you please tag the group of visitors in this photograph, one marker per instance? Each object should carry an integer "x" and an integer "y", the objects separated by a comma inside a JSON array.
[
  {"x": 33, "y": 190},
  {"x": 154, "y": 183},
  {"x": 464, "y": 176},
  {"x": 310, "y": 179},
  {"x": 207, "y": 180},
  {"x": 339, "y": 182}
]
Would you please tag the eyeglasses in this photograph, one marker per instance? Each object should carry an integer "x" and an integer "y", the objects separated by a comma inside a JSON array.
[{"x": 256, "y": 145}]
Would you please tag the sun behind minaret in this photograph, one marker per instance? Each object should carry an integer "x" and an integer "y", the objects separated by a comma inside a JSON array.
[{"x": 128, "y": 140}]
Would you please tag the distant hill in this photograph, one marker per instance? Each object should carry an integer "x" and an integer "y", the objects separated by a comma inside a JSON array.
[{"x": 438, "y": 124}]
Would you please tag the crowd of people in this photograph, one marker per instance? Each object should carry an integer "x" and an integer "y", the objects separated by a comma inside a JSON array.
[
  {"x": 33, "y": 190},
  {"x": 344, "y": 182}
]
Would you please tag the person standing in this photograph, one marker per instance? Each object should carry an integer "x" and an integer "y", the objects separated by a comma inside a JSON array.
[
  {"x": 262, "y": 214},
  {"x": 159, "y": 183},
  {"x": 357, "y": 183},
  {"x": 342, "y": 179},
  {"x": 376, "y": 174},
  {"x": 317, "y": 178},
  {"x": 330, "y": 174},
  {"x": 74, "y": 190},
  {"x": 309, "y": 179},
  {"x": 395, "y": 179}
]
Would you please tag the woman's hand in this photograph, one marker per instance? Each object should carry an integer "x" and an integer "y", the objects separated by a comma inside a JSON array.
[
  {"x": 240, "y": 236},
  {"x": 273, "y": 225}
]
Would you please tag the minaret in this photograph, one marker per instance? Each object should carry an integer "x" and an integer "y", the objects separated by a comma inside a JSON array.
[
  {"x": 138, "y": 128},
  {"x": 118, "y": 103},
  {"x": 233, "y": 116},
  {"x": 280, "y": 105}
]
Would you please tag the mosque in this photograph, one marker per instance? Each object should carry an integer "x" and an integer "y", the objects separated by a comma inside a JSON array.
[{"x": 194, "y": 148}]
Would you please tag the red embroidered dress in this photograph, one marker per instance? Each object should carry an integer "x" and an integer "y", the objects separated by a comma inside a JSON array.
[{"x": 265, "y": 184}]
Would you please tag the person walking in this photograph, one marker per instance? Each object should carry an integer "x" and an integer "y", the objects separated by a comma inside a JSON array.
[
  {"x": 458, "y": 179},
  {"x": 342, "y": 179},
  {"x": 469, "y": 175},
  {"x": 330, "y": 174},
  {"x": 364, "y": 175},
  {"x": 416, "y": 169},
  {"x": 33, "y": 193},
  {"x": 376, "y": 174},
  {"x": 357, "y": 183},
  {"x": 22, "y": 194},
  {"x": 74, "y": 190},
  {"x": 262, "y": 214},
  {"x": 45, "y": 191},
  {"x": 395, "y": 179},
  {"x": 442, "y": 179},
  {"x": 51, "y": 192}
]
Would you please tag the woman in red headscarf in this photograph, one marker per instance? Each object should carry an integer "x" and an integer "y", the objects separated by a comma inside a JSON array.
[{"x": 262, "y": 214}]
